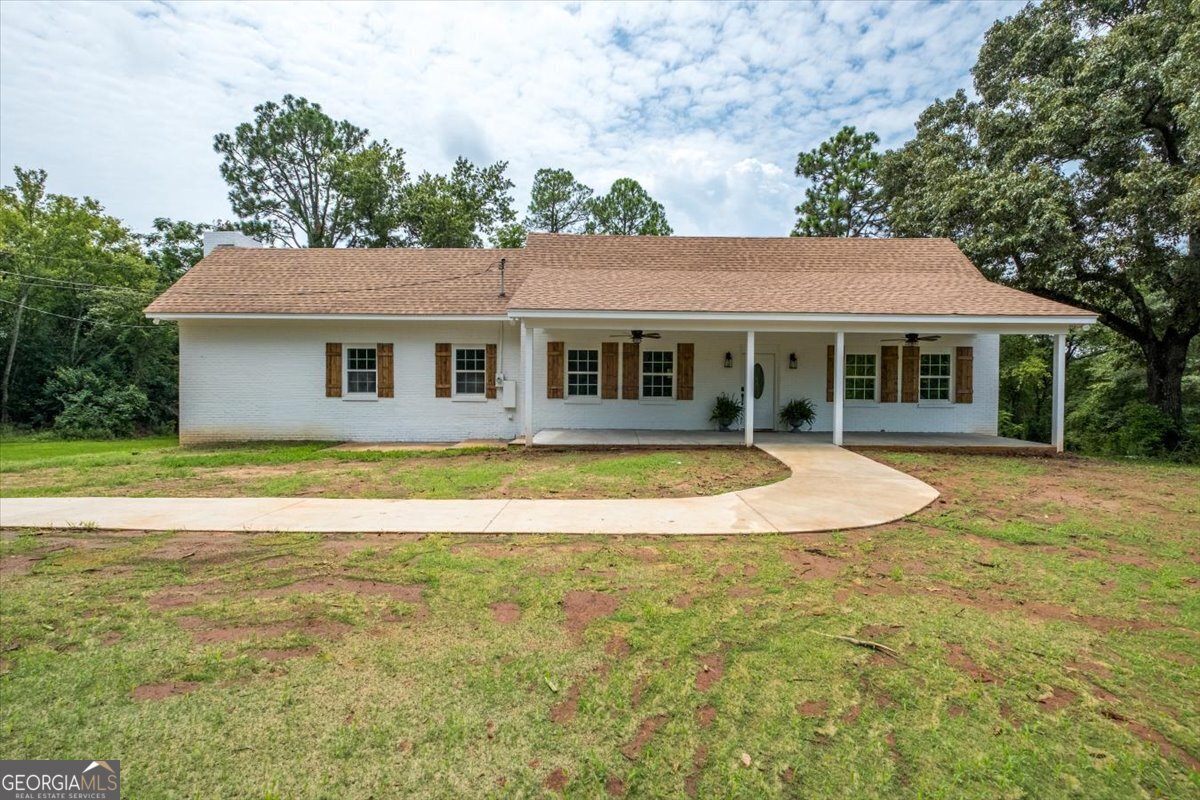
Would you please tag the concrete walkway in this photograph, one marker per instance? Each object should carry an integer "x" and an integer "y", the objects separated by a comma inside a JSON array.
[{"x": 830, "y": 488}]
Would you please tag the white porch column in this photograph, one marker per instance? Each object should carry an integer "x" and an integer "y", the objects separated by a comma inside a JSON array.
[
  {"x": 527, "y": 383},
  {"x": 839, "y": 385},
  {"x": 1058, "y": 402},
  {"x": 748, "y": 392}
]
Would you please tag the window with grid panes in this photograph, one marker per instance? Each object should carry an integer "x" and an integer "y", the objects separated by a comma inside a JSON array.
[
  {"x": 935, "y": 376},
  {"x": 583, "y": 373},
  {"x": 469, "y": 370},
  {"x": 361, "y": 370},
  {"x": 658, "y": 373},
  {"x": 860, "y": 376}
]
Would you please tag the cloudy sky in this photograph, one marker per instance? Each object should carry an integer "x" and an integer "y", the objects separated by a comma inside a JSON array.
[{"x": 706, "y": 104}]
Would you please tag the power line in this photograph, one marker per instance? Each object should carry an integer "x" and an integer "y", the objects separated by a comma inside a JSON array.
[
  {"x": 74, "y": 319},
  {"x": 57, "y": 283},
  {"x": 186, "y": 292}
]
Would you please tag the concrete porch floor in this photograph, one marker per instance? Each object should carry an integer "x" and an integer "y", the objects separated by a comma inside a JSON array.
[{"x": 967, "y": 442}]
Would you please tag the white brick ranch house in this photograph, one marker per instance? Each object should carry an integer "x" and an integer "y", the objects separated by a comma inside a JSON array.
[{"x": 593, "y": 332}]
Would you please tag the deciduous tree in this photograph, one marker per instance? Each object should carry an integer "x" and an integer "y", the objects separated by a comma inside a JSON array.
[{"x": 1076, "y": 174}]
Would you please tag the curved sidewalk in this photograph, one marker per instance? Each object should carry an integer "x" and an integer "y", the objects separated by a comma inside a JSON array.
[{"x": 829, "y": 489}]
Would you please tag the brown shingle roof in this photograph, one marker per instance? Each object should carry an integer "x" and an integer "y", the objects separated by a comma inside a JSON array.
[
  {"x": 607, "y": 273},
  {"x": 343, "y": 281},
  {"x": 765, "y": 275}
]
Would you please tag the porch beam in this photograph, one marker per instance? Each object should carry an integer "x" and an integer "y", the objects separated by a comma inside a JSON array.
[
  {"x": 839, "y": 384},
  {"x": 1058, "y": 402},
  {"x": 748, "y": 391},
  {"x": 527, "y": 383}
]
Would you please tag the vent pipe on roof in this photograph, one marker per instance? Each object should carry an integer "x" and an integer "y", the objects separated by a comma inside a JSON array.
[{"x": 502, "y": 260}]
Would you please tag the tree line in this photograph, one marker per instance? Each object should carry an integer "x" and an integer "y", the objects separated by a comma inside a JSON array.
[{"x": 1072, "y": 173}]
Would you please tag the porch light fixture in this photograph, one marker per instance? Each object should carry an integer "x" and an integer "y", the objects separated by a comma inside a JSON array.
[
  {"x": 728, "y": 360},
  {"x": 792, "y": 363}
]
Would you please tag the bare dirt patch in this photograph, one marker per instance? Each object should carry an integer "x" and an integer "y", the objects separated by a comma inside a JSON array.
[
  {"x": 812, "y": 708},
  {"x": 639, "y": 689},
  {"x": 813, "y": 564},
  {"x": 958, "y": 658},
  {"x": 275, "y": 655},
  {"x": 202, "y": 547},
  {"x": 617, "y": 647},
  {"x": 183, "y": 596},
  {"x": 683, "y": 601},
  {"x": 556, "y": 781},
  {"x": 1144, "y": 732},
  {"x": 705, "y": 716},
  {"x": 852, "y": 714},
  {"x": 712, "y": 667},
  {"x": 691, "y": 784},
  {"x": 161, "y": 691},
  {"x": 18, "y": 564},
  {"x": 645, "y": 733},
  {"x": 614, "y": 786},
  {"x": 563, "y": 712},
  {"x": 506, "y": 613},
  {"x": 583, "y": 607},
  {"x": 1055, "y": 698}
]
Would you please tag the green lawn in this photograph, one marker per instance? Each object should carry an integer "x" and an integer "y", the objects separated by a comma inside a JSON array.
[
  {"x": 1044, "y": 615},
  {"x": 158, "y": 467}
]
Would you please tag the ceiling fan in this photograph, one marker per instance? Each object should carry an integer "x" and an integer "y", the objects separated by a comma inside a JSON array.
[
  {"x": 910, "y": 339},
  {"x": 637, "y": 336}
]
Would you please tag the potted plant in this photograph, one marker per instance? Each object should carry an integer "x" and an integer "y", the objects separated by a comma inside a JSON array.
[
  {"x": 726, "y": 411},
  {"x": 798, "y": 414}
]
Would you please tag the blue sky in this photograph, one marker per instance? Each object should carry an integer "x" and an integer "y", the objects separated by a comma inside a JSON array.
[{"x": 707, "y": 104}]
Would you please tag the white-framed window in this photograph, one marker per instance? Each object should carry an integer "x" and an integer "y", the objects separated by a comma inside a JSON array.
[
  {"x": 470, "y": 371},
  {"x": 861, "y": 376},
  {"x": 583, "y": 373},
  {"x": 935, "y": 377},
  {"x": 658, "y": 374},
  {"x": 362, "y": 370}
]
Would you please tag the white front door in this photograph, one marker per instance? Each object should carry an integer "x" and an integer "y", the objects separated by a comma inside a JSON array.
[{"x": 764, "y": 391}]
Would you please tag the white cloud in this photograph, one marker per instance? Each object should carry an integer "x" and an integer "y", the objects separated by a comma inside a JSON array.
[{"x": 706, "y": 104}]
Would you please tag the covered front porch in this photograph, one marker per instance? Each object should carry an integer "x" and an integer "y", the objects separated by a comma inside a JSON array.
[
  {"x": 617, "y": 437},
  {"x": 870, "y": 382}
]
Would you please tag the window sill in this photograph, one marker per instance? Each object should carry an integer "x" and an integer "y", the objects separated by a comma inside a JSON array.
[
  {"x": 582, "y": 400},
  {"x": 360, "y": 398},
  {"x": 860, "y": 404},
  {"x": 469, "y": 398},
  {"x": 934, "y": 404},
  {"x": 657, "y": 401}
]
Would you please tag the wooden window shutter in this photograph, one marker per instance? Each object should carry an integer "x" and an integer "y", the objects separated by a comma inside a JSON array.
[
  {"x": 386, "y": 383},
  {"x": 889, "y": 362},
  {"x": 333, "y": 369},
  {"x": 910, "y": 374},
  {"x": 829, "y": 372},
  {"x": 489, "y": 371},
  {"x": 964, "y": 374},
  {"x": 686, "y": 370},
  {"x": 631, "y": 353},
  {"x": 555, "y": 375},
  {"x": 442, "y": 372},
  {"x": 610, "y": 366}
]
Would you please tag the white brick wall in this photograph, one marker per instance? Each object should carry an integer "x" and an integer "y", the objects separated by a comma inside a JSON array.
[{"x": 266, "y": 380}]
